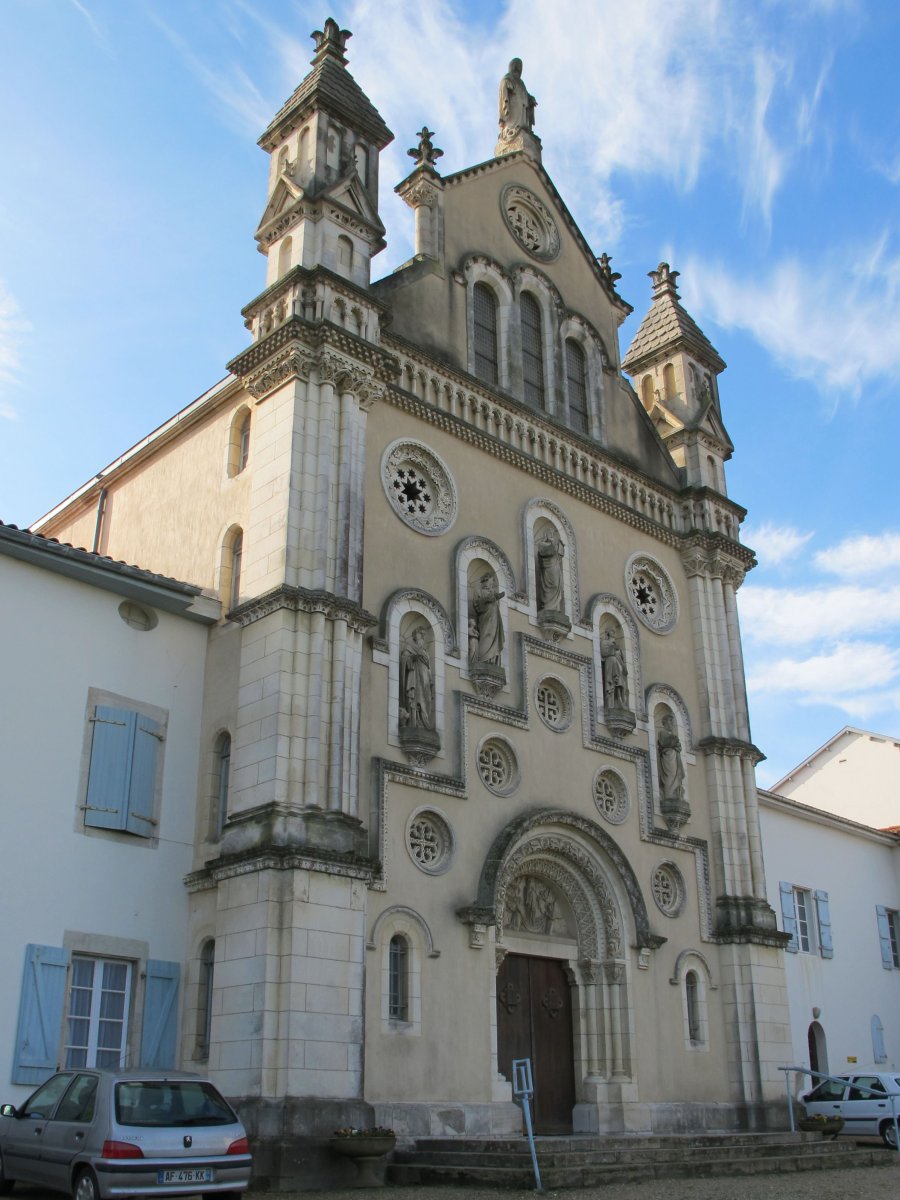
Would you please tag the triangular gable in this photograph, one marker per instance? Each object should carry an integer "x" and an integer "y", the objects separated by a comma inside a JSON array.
[
  {"x": 350, "y": 193},
  {"x": 284, "y": 197}
]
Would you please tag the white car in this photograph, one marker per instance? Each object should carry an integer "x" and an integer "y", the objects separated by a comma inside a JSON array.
[{"x": 863, "y": 1112}]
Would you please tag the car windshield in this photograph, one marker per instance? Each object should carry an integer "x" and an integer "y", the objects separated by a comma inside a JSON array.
[{"x": 171, "y": 1102}]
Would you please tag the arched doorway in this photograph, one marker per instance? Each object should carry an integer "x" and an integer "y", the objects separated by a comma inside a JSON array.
[{"x": 818, "y": 1049}]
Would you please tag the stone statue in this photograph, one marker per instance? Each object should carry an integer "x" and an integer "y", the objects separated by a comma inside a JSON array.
[
  {"x": 416, "y": 683},
  {"x": 486, "y": 608},
  {"x": 531, "y": 907},
  {"x": 516, "y": 105},
  {"x": 550, "y": 551},
  {"x": 615, "y": 673},
  {"x": 671, "y": 768}
]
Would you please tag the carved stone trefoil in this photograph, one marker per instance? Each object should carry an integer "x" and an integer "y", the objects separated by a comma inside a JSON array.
[{"x": 487, "y": 678}]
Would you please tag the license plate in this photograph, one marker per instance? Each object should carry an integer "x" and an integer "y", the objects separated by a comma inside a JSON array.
[{"x": 186, "y": 1175}]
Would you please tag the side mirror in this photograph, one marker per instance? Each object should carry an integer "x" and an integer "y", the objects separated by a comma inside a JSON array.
[{"x": 7, "y": 1110}]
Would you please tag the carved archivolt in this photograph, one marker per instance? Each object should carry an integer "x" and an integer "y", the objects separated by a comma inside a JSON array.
[
  {"x": 682, "y": 961},
  {"x": 390, "y": 915}
]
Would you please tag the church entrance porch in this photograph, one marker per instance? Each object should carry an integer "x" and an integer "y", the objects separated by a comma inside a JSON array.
[{"x": 534, "y": 1020}]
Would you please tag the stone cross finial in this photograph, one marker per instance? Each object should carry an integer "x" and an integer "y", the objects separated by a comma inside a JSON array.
[
  {"x": 663, "y": 280},
  {"x": 426, "y": 153},
  {"x": 330, "y": 42}
]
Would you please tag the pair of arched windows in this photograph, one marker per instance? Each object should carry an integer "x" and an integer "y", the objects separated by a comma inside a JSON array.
[{"x": 534, "y": 374}]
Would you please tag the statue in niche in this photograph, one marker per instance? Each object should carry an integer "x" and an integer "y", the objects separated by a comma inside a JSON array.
[
  {"x": 416, "y": 683},
  {"x": 615, "y": 673},
  {"x": 516, "y": 105},
  {"x": 671, "y": 768},
  {"x": 531, "y": 907},
  {"x": 485, "y": 606},
  {"x": 550, "y": 551}
]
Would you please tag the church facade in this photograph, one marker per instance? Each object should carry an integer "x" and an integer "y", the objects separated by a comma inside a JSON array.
[{"x": 477, "y": 781}]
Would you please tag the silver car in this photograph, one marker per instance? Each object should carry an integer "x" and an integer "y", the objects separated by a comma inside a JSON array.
[
  {"x": 865, "y": 1100},
  {"x": 100, "y": 1134}
]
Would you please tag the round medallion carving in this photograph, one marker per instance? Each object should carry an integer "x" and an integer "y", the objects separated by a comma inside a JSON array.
[
  {"x": 497, "y": 766},
  {"x": 419, "y": 487},
  {"x": 652, "y": 593},
  {"x": 553, "y": 701},
  {"x": 529, "y": 221},
  {"x": 611, "y": 796},
  {"x": 429, "y": 841},
  {"x": 667, "y": 886}
]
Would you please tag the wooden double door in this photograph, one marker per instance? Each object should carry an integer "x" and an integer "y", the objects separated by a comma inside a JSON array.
[{"x": 534, "y": 1020}]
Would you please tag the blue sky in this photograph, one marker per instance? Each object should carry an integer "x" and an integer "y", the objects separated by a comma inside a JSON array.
[{"x": 754, "y": 144}]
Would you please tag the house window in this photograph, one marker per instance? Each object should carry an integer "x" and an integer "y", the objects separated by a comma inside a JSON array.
[
  {"x": 532, "y": 350},
  {"x": 223, "y": 774},
  {"x": 205, "y": 997},
  {"x": 124, "y": 770},
  {"x": 97, "y": 1014},
  {"x": 806, "y": 917},
  {"x": 889, "y": 936},
  {"x": 576, "y": 380},
  {"x": 485, "y": 314},
  {"x": 398, "y": 978}
]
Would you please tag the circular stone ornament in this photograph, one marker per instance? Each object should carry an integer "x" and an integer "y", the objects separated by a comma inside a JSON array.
[
  {"x": 498, "y": 766},
  {"x": 611, "y": 796},
  {"x": 553, "y": 700},
  {"x": 529, "y": 221},
  {"x": 419, "y": 487},
  {"x": 667, "y": 886},
  {"x": 652, "y": 593},
  {"x": 429, "y": 841}
]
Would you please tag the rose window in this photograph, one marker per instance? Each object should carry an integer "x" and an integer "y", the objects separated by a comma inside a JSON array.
[
  {"x": 553, "y": 702},
  {"x": 652, "y": 593},
  {"x": 530, "y": 222},
  {"x": 667, "y": 887},
  {"x": 413, "y": 491},
  {"x": 497, "y": 766},
  {"x": 611, "y": 797},
  {"x": 419, "y": 487},
  {"x": 429, "y": 841}
]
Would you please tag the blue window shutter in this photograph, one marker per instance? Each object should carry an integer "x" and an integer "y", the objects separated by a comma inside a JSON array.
[
  {"x": 823, "y": 919},
  {"x": 788, "y": 917},
  {"x": 879, "y": 1053},
  {"x": 112, "y": 744},
  {"x": 884, "y": 936},
  {"x": 158, "y": 1037},
  {"x": 40, "y": 1014},
  {"x": 142, "y": 785}
]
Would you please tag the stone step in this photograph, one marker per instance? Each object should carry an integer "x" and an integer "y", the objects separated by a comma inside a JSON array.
[
  {"x": 415, "y": 1173},
  {"x": 583, "y": 1141}
]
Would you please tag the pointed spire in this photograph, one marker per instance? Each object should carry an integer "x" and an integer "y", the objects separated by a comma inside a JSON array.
[{"x": 668, "y": 327}]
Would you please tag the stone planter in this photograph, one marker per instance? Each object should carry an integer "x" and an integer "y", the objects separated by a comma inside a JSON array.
[{"x": 366, "y": 1153}]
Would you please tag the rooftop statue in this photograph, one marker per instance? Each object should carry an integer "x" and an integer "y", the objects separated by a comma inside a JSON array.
[{"x": 517, "y": 107}]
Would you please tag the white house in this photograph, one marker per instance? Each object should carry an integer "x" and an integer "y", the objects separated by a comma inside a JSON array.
[{"x": 102, "y": 694}]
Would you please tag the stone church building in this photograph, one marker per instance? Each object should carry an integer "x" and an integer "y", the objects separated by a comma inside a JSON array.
[{"x": 476, "y": 777}]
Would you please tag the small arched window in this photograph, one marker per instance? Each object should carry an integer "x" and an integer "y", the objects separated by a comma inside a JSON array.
[
  {"x": 232, "y": 556},
  {"x": 284, "y": 256},
  {"x": 398, "y": 978},
  {"x": 239, "y": 442},
  {"x": 532, "y": 350},
  {"x": 576, "y": 382},
  {"x": 305, "y": 162},
  {"x": 692, "y": 1000},
  {"x": 222, "y": 780},
  {"x": 345, "y": 255},
  {"x": 647, "y": 396},
  {"x": 362, "y": 162},
  {"x": 669, "y": 381},
  {"x": 485, "y": 322},
  {"x": 205, "y": 997},
  {"x": 282, "y": 159}
]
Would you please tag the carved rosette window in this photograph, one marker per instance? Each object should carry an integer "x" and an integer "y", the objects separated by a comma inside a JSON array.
[
  {"x": 529, "y": 221},
  {"x": 652, "y": 593},
  {"x": 419, "y": 487},
  {"x": 611, "y": 796},
  {"x": 497, "y": 766},
  {"x": 553, "y": 701},
  {"x": 429, "y": 841},
  {"x": 667, "y": 887}
]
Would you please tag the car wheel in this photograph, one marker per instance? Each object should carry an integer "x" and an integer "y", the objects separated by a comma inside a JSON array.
[
  {"x": 888, "y": 1134},
  {"x": 86, "y": 1186},
  {"x": 6, "y": 1184}
]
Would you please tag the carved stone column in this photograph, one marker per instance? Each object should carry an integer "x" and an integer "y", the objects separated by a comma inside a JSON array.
[
  {"x": 590, "y": 977},
  {"x": 614, "y": 970}
]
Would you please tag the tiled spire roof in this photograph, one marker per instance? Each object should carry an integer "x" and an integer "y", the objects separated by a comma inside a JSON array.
[
  {"x": 667, "y": 326},
  {"x": 331, "y": 87}
]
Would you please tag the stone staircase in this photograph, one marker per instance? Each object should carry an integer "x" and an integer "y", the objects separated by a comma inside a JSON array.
[{"x": 587, "y": 1160}]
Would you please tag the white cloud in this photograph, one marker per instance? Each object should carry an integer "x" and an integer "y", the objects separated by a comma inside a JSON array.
[
  {"x": 13, "y": 328},
  {"x": 848, "y": 669},
  {"x": 774, "y": 544},
  {"x": 785, "y": 616},
  {"x": 863, "y": 554},
  {"x": 834, "y": 322}
]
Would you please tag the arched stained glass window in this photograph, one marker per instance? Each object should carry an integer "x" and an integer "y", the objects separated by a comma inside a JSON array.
[
  {"x": 486, "y": 355},
  {"x": 398, "y": 978},
  {"x": 532, "y": 350},
  {"x": 576, "y": 382}
]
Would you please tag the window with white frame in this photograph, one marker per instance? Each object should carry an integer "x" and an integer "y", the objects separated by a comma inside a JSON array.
[
  {"x": 97, "y": 1013},
  {"x": 806, "y": 917},
  {"x": 889, "y": 936}
]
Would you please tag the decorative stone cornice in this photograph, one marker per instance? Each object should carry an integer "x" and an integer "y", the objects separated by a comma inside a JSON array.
[
  {"x": 298, "y": 599},
  {"x": 723, "y": 747},
  {"x": 747, "y": 919},
  {"x": 278, "y": 859},
  {"x": 422, "y": 187},
  {"x": 714, "y": 556}
]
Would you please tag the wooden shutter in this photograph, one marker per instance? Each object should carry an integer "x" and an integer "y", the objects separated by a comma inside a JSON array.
[
  {"x": 879, "y": 1052},
  {"x": 788, "y": 916},
  {"x": 823, "y": 919},
  {"x": 159, "y": 1034},
  {"x": 142, "y": 784},
  {"x": 110, "y": 770},
  {"x": 40, "y": 1014},
  {"x": 884, "y": 936}
]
